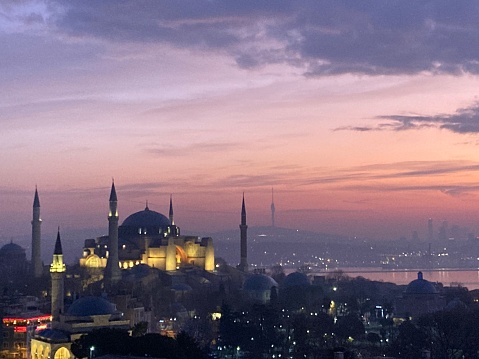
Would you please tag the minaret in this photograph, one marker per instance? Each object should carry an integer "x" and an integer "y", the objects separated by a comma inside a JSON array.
[
  {"x": 37, "y": 265},
  {"x": 173, "y": 229},
  {"x": 243, "y": 266},
  {"x": 57, "y": 273},
  {"x": 272, "y": 208},
  {"x": 172, "y": 221},
  {"x": 113, "y": 271}
]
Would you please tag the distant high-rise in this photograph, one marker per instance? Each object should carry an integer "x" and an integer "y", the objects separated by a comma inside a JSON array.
[
  {"x": 415, "y": 236},
  {"x": 430, "y": 230},
  {"x": 37, "y": 266},
  {"x": 443, "y": 231},
  {"x": 243, "y": 266},
  {"x": 272, "y": 208}
]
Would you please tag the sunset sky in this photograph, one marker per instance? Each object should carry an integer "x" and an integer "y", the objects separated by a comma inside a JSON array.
[{"x": 363, "y": 116}]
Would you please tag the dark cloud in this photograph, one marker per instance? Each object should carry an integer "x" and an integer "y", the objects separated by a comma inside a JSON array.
[
  {"x": 323, "y": 37},
  {"x": 460, "y": 190},
  {"x": 463, "y": 121},
  {"x": 378, "y": 176}
]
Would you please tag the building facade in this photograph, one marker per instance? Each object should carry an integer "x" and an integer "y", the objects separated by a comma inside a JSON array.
[{"x": 145, "y": 237}]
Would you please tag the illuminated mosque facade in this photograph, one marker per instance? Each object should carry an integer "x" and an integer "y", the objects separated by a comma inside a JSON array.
[{"x": 145, "y": 237}]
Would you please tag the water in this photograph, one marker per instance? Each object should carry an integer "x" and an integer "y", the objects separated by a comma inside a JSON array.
[{"x": 466, "y": 277}]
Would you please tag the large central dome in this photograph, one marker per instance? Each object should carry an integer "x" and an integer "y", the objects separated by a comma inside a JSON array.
[
  {"x": 146, "y": 218},
  {"x": 144, "y": 222}
]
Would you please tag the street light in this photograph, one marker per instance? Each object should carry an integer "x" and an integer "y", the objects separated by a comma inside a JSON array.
[{"x": 92, "y": 349}]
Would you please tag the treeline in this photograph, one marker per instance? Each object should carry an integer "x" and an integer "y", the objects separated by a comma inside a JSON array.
[
  {"x": 446, "y": 334},
  {"x": 118, "y": 342}
]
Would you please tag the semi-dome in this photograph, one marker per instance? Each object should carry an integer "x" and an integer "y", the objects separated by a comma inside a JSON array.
[
  {"x": 181, "y": 287},
  {"x": 295, "y": 279},
  {"x": 421, "y": 286},
  {"x": 89, "y": 306},
  {"x": 12, "y": 249},
  {"x": 146, "y": 218},
  {"x": 259, "y": 282}
]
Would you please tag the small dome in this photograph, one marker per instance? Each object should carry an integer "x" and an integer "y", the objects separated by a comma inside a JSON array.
[
  {"x": 259, "y": 282},
  {"x": 146, "y": 218},
  {"x": 12, "y": 249},
  {"x": 52, "y": 335},
  {"x": 140, "y": 271},
  {"x": 88, "y": 306},
  {"x": 455, "y": 304},
  {"x": 420, "y": 286},
  {"x": 295, "y": 279}
]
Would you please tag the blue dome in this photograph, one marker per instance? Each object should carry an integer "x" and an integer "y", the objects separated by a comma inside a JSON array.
[
  {"x": 259, "y": 282},
  {"x": 52, "y": 335},
  {"x": 12, "y": 249},
  {"x": 420, "y": 286},
  {"x": 146, "y": 218},
  {"x": 140, "y": 271},
  {"x": 88, "y": 306},
  {"x": 295, "y": 279}
]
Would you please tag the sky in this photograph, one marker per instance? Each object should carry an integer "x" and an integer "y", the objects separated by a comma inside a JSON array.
[{"x": 363, "y": 116}]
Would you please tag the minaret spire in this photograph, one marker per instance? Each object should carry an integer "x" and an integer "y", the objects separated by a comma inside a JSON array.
[
  {"x": 112, "y": 272},
  {"x": 272, "y": 208},
  {"x": 36, "y": 262},
  {"x": 172, "y": 220},
  {"x": 243, "y": 266},
  {"x": 57, "y": 273}
]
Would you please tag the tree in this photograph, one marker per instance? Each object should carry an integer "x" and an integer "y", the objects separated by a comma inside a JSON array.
[
  {"x": 189, "y": 346},
  {"x": 118, "y": 342},
  {"x": 373, "y": 338},
  {"x": 139, "y": 329},
  {"x": 453, "y": 333},
  {"x": 349, "y": 326},
  {"x": 277, "y": 273},
  {"x": 410, "y": 341}
]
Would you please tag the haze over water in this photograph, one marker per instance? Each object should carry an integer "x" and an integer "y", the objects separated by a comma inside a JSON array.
[{"x": 448, "y": 277}]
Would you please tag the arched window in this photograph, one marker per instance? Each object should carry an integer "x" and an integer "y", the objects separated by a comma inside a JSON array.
[{"x": 62, "y": 353}]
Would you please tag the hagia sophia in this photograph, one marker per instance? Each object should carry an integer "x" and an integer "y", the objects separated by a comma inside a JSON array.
[{"x": 145, "y": 237}]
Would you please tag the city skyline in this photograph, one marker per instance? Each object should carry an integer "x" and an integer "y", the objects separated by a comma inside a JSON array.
[{"x": 363, "y": 117}]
